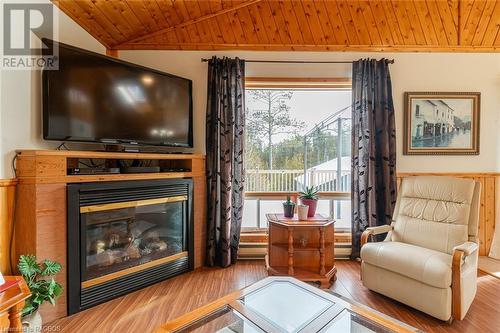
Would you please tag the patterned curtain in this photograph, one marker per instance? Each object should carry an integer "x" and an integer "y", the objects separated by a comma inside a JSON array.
[
  {"x": 373, "y": 189},
  {"x": 224, "y": 164}
]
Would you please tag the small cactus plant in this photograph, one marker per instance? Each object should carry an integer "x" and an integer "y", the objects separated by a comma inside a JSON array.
[{"x": 288, "y": 207}]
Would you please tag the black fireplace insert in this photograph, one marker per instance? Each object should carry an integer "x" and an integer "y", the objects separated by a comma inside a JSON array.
[{"x": 126, "y": 235}]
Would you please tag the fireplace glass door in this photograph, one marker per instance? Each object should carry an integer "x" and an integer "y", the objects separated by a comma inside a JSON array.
[{"x": 120, "y": 236}]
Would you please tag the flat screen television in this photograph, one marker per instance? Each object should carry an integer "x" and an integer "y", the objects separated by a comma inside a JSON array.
[{"x": 95, "y": 98}]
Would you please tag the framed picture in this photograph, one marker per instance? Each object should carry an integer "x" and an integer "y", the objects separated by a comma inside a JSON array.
[{"x": 441, "y": 123}]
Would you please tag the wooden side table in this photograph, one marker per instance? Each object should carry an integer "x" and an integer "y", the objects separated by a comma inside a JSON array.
[
  {"x": 302, "y": 249},
  {"x": 12, "y": 302}
]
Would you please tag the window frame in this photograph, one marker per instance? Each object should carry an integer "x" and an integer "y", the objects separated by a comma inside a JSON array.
[
  {"x": 327, "y": 83},
  {"x": 298, "y": 83}
]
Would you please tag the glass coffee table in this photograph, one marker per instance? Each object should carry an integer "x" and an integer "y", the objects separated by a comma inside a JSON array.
[{"x": 284, "y": 304}]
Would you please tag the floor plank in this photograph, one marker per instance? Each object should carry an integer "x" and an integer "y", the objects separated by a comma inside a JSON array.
[{"x": 144, "y": 310}]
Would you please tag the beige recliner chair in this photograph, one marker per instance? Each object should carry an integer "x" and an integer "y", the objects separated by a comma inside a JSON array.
[{"x": 429, "y": 257}]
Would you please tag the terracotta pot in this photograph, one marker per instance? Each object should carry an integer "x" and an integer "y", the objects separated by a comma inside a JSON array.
[
  {"x": 312, "y": 203},
  {"x": 288, "y": 209},
  {"x": 32, "y": 323}
]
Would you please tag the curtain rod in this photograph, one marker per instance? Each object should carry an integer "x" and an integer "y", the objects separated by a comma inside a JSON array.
[{"x": 390, "y": 61}]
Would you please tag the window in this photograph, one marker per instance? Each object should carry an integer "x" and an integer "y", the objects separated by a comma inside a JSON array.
[
  {"x": 417, "y": 110},
  {"x": 297, "y": 133}
]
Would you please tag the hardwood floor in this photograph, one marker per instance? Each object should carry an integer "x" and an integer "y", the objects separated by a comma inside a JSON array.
[
  {"x": 146, "y": 309},
  {"x": 483, "y": 315}
]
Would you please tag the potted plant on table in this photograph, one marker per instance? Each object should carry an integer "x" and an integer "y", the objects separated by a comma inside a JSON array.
[
  {"x": 309, "y": 196},
  {"x": 288, "y": 207},
  {"x": 41, "y": 286}
]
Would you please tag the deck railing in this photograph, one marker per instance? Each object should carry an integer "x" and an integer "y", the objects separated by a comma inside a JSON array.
[
  {"x": 254, "y": 219},
  {"x": 293, "y": 180},
  {"x": 264, "y": 187}
]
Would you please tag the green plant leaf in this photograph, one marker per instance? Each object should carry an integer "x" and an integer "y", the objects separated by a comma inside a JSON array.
[
  {"x": 58, "y": 289},
  {"x": 28, "y": 267},
  {"x": 309, "y": 193},
  {"x": 39, "y": 298},
  {"x": 50, "y": 268},
  {"x": 42, "y": 290},
  {"x": 28, "y": 309}
]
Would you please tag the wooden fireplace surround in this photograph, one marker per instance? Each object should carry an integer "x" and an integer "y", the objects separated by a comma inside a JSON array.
[{"x": 41, "y": 217}]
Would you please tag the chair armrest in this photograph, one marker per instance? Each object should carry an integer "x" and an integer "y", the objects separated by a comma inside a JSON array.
[
  {"x": 467, "y": 248},
  {"x": 460, "y": 254},
  {"x": 374, "y": 231}
]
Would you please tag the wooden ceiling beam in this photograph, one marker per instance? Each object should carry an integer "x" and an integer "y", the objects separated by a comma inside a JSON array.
[
  {"x": 189, "y": 23},
  {"x": 311, "y": 47},
  {"x": 112, "y": 53}
]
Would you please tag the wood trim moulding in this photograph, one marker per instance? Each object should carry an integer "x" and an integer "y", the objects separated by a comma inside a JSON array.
[
  {"x": 8, "y": 182},
  {"x": 299, "y": 82},
  {"x": 7, "y": 206},
  {"x": 112, "y": 53},
  {"x": 129, "y": 204},
  {"x": 104, "y": 154},
  {"x": 451, "y": 174},
  {"x": 134, "y": 269},
  {"x": 152, "y": 45},
  {"x": 110, "y": 177}
]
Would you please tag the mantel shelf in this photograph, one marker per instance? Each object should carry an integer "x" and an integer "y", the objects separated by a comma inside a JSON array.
[
  {"x": 105, "y": 154},
  {"x": 127, "y": 176},
  {"x": 51, "y": 166}
]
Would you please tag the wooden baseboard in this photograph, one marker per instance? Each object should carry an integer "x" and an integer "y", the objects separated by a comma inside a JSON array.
[{"x": 253, "y": 245}]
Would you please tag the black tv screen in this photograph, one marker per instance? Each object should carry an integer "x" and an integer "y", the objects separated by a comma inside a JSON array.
[{"x": 95, "y": 98}]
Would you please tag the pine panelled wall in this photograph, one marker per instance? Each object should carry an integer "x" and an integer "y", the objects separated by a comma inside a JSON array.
[
  {"x": 490, "y": 212},
  {"x": 301, "y": 25}
]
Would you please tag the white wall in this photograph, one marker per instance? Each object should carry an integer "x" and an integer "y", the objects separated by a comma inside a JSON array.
[
  {"x": 20, "y": 125},
  {"x": 20, "y": 98},
  {"x": 410, "y": 72}
]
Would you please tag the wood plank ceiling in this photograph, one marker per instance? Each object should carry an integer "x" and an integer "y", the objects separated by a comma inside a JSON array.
[{"x": 320, "y": 25}]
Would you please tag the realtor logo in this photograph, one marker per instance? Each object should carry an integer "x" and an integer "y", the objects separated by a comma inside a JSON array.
[{"x": 24, "y": 25}]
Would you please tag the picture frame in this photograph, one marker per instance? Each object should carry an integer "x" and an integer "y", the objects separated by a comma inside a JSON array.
[{"x": 441, "y": 123}]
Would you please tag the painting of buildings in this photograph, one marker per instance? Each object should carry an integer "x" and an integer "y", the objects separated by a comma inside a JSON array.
[{"x": 440, "y": 124}]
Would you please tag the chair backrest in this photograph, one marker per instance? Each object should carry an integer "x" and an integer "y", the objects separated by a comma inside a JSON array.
[{"x": 436, "y": 212}]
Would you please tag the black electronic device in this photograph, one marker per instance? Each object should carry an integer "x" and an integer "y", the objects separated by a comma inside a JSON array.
[
  {"x": 95, "y": 98},
  {"x": 93, "y": 171},
  {"x": 140, "y": 169},
  {"x": 175, "y": 170}
]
